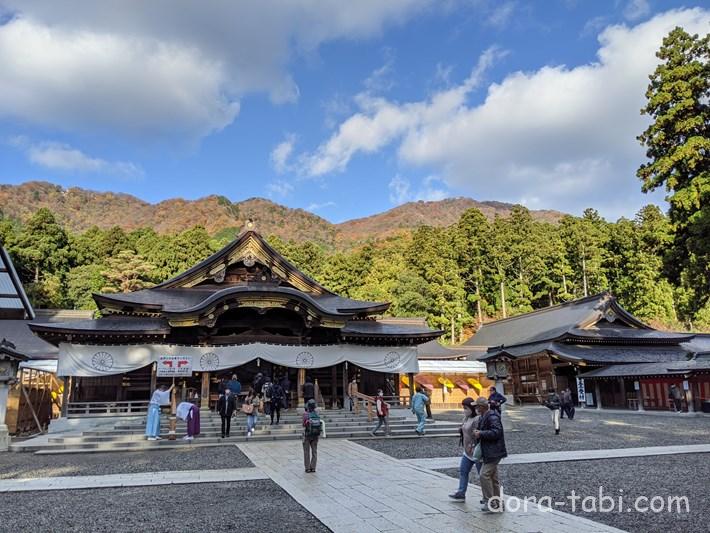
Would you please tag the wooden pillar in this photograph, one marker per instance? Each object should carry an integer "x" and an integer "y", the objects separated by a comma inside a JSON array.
[
  {"x": 66, "y": 391},
  {"x": 639, "y": 396},
  {"x": 598, "y": 393},
  {"x": 345, "y": 382},
  {"x": 411, "y": 387},
  {"x": 205, "y": 392},
  {"x": 153, "y": 379},
  {"x": 622, "y": 386},
  {"x": 689, "y": 396},
  {"x": 334, "y": 385},
  {"x": 173, "y": 411},
  {"x": 299, "y": 385}
]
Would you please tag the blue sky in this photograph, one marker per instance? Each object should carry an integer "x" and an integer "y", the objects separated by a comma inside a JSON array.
[{"x": 345, "y": 109}]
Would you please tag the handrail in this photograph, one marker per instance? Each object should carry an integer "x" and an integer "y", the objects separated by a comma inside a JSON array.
[
  {"x": 114, "y": 408},
  {"x": 369, "y": 402}
]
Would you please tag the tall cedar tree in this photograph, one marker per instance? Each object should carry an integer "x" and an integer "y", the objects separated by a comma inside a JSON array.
[{"x": 678, "y": 145}]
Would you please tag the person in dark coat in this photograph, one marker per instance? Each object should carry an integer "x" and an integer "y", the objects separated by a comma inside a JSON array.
[
  {"x": 286, "y": 386},
  {"x": 567, "y": 404},
  {"x": 492, "y": 440},
  {"x": 225, "y": 408},
  {"x": 554, "y": 404},
  {"x": 308, "y": 391},
  {"x": 257, "y": 383},
  {"x": 496, "y": 399},
  {"x": 277, "y": 399}
]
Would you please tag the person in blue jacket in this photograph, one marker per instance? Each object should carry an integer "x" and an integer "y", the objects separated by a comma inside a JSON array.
[
  {"x": 496, "y": 399},
  {"x": 419, "y": 402}
]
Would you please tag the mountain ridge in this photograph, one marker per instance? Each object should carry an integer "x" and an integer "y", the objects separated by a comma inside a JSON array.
[{"x": 79, "y": 209}]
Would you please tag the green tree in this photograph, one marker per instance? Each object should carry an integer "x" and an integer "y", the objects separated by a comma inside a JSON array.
[
  {"x": 678, "y": 145},
  {"x": 43, "y": 246},
  {"x": 127, "y": 272},
  {"x": 82, "y": 282}
]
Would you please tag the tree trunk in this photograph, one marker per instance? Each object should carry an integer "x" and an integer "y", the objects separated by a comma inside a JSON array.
[
  {"x": 584, "y": 276},
  {"x": 36, "y": 273},
  {"x": 502, "y": 298},
  {"x": 564, "y": 283},
  {"x": 478, "y": 303},
  {"x": 453, "y": 331}
]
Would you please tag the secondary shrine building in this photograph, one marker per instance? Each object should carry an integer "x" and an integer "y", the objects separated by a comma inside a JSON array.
[
  {"x": 605, "y": 355},
  {"x": 243, "y": 310}
]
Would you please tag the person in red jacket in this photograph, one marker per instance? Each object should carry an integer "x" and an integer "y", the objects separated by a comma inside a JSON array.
[{"x": 383, "y": 411}]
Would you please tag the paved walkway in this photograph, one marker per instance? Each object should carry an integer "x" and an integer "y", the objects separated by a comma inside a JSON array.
[
  {"x": 131, "y": 480},
  {"x": 440, "y": 463},
  {"x": 357, "y": 489}
]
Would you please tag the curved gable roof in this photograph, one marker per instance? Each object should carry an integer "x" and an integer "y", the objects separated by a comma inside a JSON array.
[{"x": 554, "y": 322}]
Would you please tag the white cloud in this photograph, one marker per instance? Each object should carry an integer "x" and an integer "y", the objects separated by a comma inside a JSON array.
[
  {"x": 62, "y": 157},
  {"x": 636, "y": 10},
  {"x": 380, "y": 122},
  {"x": 380, "y": 80},
  {"x": 279, "y": 188},
  {"x": 401, "y": 190},
  {"x": 563, "y": 134},
  {"x": 500, "y": 15},
  {"x": 281, "y": 153},
  {"x": 317, "y": 207},
  {"x": 168, "y": 67}
]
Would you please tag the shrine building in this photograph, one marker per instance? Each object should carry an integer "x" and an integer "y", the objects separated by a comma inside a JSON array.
[{"x": 244, "y": 310}]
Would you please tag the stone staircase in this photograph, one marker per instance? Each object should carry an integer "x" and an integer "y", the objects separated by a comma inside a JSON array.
[{"x": 126, "y": 435}]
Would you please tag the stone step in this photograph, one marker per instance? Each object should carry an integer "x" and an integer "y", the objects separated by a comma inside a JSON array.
[
  {"x": 267, "y": 430},
  {"x": 164, "y": 428},
  {"x": 142, "y": 444}
]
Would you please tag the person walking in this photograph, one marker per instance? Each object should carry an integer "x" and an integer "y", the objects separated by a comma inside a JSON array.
[
  {"x": 225, "y": 408},
  {"x": 251, "y": 409},
  {"x": 676, "y": 397},
  {"x": 496, "y": 400},
  {"x": 234, "y": 385},
  {"x": 312, "y": 428},
  {"x": 161, "y": 396},
  {"x": 352, "y": 391},
  {"x": 490, "y": 435},
  {"x": 266, "y": 394},
  {"x": 554, "y": 404},
  {"x": 308, "y": 391},
  {"x": 277, "y": 400},
  {"x": 471, "y": 452},
  {"x": 419, "y": 403},
  {"x": 567, "y": 404},
  {"x": 383, "y": 411},
  {"x": 286, "y": 386}
]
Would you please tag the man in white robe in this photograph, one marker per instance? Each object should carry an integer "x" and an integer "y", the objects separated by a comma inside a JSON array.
[{"x": 161, "y": 396}]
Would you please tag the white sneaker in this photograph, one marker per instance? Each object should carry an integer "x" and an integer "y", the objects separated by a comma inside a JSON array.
[
  {"x": 152, "y": 438},
  {"x": 187, "y": 437},
  {"x": 158, "y": 438}
]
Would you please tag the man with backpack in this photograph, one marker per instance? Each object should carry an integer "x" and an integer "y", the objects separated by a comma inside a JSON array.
[
  {"x": 312, "y": 429},
  {"x": 383, "y": 411}
]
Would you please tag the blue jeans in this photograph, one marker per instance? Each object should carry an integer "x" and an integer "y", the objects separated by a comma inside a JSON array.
[
  {"x": 464, "y": 471},
  {"x": 421, "y": 420},
  {"x": 251, "y": 422}
]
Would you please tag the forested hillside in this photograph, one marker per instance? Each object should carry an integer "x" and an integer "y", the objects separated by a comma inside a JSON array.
[{"x": 473, "y": 270}]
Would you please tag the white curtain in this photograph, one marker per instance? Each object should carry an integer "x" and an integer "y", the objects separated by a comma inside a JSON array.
[{"x": 91, "y": 360}]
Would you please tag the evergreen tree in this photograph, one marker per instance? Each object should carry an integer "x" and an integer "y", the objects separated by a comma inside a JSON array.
[{"x": 678, "y": 145}]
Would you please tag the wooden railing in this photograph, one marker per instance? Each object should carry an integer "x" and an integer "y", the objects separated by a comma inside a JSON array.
[
  {"x": 99, "y": 409},
  {"x": 368, "y": 401}
]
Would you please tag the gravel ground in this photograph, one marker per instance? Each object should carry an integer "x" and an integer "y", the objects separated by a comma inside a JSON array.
[
  {"x": 664, "y": 476},
  {"x": 27, "y": 465},
  {"x": 532, "y": 433},
  {"x": 254, "y": 506}
]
